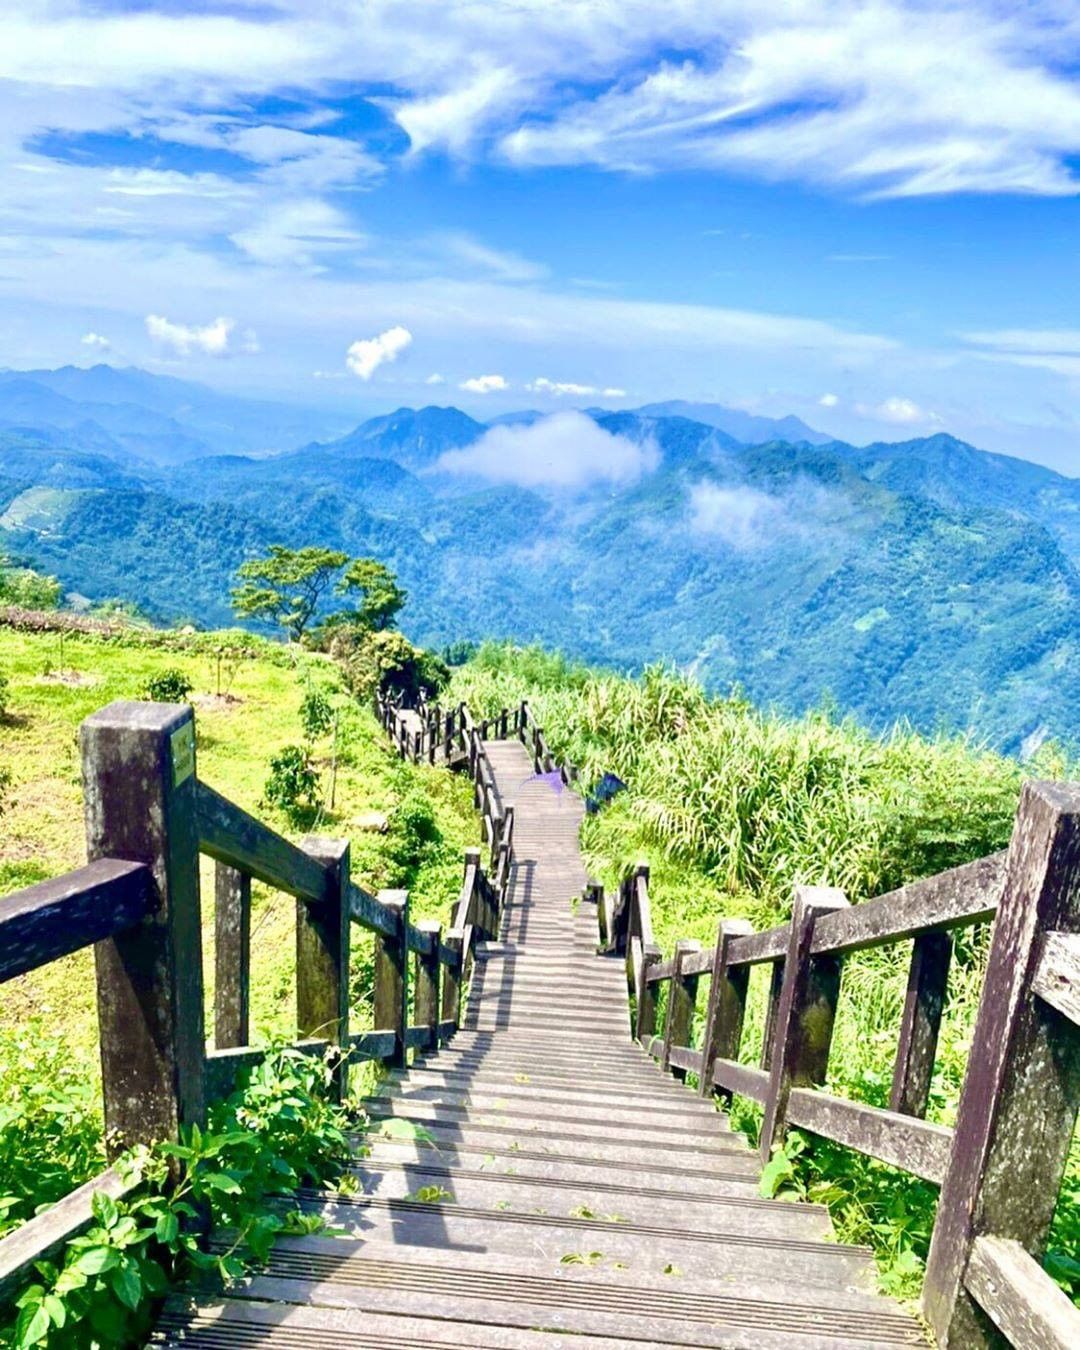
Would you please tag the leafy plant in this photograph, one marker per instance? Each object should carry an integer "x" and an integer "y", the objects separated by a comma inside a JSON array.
[
  {"x": 293, "y": 784},
  {"x": 280, "y": 1131},
  {"x": 169, "y": 686},
  {"x": 316, "y": 714}
]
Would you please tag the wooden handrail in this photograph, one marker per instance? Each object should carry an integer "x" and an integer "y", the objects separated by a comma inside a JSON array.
[
  {"x": 1004, "y": 1160},
  {"x": 55, "y": 918}
]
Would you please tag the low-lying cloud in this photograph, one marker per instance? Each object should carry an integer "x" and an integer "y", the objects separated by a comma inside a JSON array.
[
  {"x": 566, "y": 450},
  {"x": 743, "y": 517},
  {"x": 366, "y": 355},
  {"x": 561, "y": 388}
]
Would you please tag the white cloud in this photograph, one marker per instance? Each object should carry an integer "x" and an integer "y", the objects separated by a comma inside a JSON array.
[
  {"x": 562, "y": 388},
  {"x": 96, "y": 340},
  {"x": 212, "y": 339},
  {"x": 435, "y": 378},
  {"x": 899, "y": 411},
  {"x": 366, "y": 355},
  {"x": 829, "y": 400},
  {"x": 484, "y": 384},
  {"x": 566, "y": 450},
  {"x": 741, "y": 517}
]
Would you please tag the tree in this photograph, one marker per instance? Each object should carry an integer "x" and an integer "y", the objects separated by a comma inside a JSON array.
[
  {"x": 287, "y": 586},
  {"x": 379, "y": 596}
]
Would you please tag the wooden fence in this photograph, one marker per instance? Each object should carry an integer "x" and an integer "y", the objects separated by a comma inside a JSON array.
[
  {"x": 148, "y": 818},
  {"x": 1000, "y": 1167}
]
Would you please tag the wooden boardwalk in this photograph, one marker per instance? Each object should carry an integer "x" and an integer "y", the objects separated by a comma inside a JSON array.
[{"x": 558, "y": 1190}]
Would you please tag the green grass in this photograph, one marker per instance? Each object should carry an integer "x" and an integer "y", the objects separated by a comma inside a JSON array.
[
  {"x": 257, "y": 713},
  {"x": 732, "y": 807}
]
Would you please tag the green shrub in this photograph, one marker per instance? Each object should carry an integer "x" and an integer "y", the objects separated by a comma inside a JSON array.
[
  {"x": 22, "y": 587},
  {"x": 5, "y": 788},
  {"x": 316, "y": 714},
  {"x": 293, "y": 784},
  {"x": 279, "y": 1132},
  {"x": 5, "y": 695},
  {"x": 169, "y": 686}
]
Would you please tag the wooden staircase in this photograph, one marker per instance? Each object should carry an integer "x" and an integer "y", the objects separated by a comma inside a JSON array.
[{"x": 552, "y": 1187}]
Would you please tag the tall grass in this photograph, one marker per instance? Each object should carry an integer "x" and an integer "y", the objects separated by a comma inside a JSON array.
[{"x": 733, "y": 806}]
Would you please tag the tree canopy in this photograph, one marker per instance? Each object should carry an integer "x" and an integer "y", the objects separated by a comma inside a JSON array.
[{"x": 290, "y": 587}]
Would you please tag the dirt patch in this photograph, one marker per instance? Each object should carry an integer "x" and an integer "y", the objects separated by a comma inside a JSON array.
[
  {"x": 216, "y": 702},
  {"x": 73, "y": 679}
]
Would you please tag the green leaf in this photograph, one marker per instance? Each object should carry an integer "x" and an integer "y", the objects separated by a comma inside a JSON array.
[
  {"x": 167, "y": 1228},
  {"x": 32, "y": 1326},
  {"x": 220, "y": 1181},
  {"x": 104, "y": 1209},
  {"x": 127, "y": 1285},
  {"x": 96, "y": 1260}
]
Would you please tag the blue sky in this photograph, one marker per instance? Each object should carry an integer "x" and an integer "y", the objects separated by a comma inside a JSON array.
[{"x": 864, "y": 213}]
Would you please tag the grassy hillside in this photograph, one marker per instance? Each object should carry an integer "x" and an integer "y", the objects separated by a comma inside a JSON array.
[
  {"x": 732, "y": 807},
  {"x": 246, "y": 710}
]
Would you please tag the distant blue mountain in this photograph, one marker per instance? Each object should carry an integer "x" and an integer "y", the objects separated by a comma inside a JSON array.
[
  {"x": 925, "y": 579},
  {"x": 156, "y": 417},
  {"x": 745, "y": 427}
]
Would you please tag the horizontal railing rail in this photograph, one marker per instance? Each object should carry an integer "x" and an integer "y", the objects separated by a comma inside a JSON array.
[
  {"x": 137, "y": 902},
  {"x": 1000, "y": 1166}
]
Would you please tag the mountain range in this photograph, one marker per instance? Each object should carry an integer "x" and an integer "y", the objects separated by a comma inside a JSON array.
[{"x": 925, "y": 579}]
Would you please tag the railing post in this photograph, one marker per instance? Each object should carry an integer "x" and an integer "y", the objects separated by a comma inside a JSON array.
[
  {"x": 232, "y": 957},
  {"x": 448, "y": 735},
  {"x": 323, "y": 930},
  {"x": 646, "y": 998},
  {"x": 451, "y": 978},
  {"x": 727, "y": 1004},
  {"x": 682, "y": 997},
  {"x": 772, "y": 1007},
  {"x": 804, "y": 1017},
  {"x": 928, "y": 977},
  {"x": 138, "y": 767},
  {"x": 392, "y": 976},
  {"x": 1018, "y": 1105},
  {"x": 503, "y": 716},
  {"x": 427, "y": 983}
]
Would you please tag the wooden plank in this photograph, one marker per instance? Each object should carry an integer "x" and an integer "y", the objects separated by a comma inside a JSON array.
[
  {"x": 232, "y": 957},
  {"x": 42, "y": 1237},
  {"x": 741, "y": 1078},
  {"x": 804, "y": 1018},
  {"x": 685, "y": 1058},
  {"x": 366, "y": 911},
  {"x": 417, "y": 1038},
  {"x": 230, "y": 835},
  {"x": 700, "y": 962},
  {"x": 772, "y": 1006},
  {"x": 1057, "y": 975},
  {"x": 1021, "y": 1092},
  {"x": 903, "y": 1141},
  {"x": 928, "y": 977},
  {"x": 962, "y": 895},
  {"x": 54, "y": 918},
  {"x": 663, "y": 970},
  {"x": 1023, "y": 1301},
  {"x": 420, "y": 940},
  {"x": 450, "y": 1001},
  {"x": 138, "y": 767}
]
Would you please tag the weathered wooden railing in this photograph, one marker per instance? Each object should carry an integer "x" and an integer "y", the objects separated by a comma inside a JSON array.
[
  {"x": 148, "y": 818},
  {"x": 453, "y": 737},
  {"x": 1000, "y": 1167}
]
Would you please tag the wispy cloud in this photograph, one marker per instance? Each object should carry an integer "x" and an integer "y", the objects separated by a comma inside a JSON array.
[
  {"x": 564, "y": 388},
  {"x": 565, "y": 450},
  {"x": 1055, "y": 349},
  {"x": 366, "y": 355}
]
